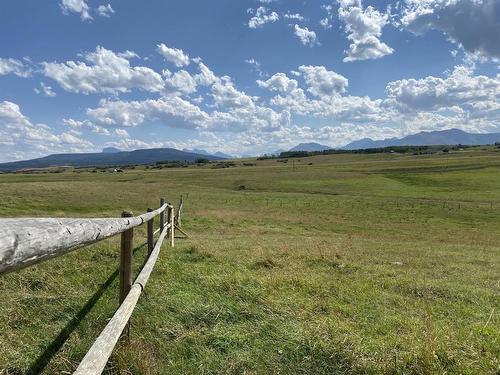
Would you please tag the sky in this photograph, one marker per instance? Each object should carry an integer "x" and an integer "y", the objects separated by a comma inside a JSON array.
[{"x": 243, "y": 77}]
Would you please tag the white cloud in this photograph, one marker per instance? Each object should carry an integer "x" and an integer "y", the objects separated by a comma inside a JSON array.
[
  {"x": 178, "y": 112},
  {"x": 19, "y": 136},
  {"x": 86, "y": 125},
  {"x": 181, "y": 82},
  {"x": 306, "y": 36},
  {"x": 173, "y": 111},
  {"x": 261, "y": 17},
  {"x": 363, "y": 28},
  {"x": 293, "y": 16},
  {"x": 279, "y": 82},
  {"x": 206, "y": 77},
  {"x": 13, "y": 66},
  {"x": 108, "y": 72},
  {"x": 174, "y": 55},
  {"x": 227, "y": 96},
  {"x": 234, "y": 110},
  {"x": 45, "y": 90},
  {"x": 76, "y": 6},
  {"x": 122, "y": 133},
  {"x": 323, "y": 82},
  {"x": 105, "y": 10},
  {"x": 460, "y": 89},
  {"x": 472, "y": 24},
  {"x": 327, "y": 21}
]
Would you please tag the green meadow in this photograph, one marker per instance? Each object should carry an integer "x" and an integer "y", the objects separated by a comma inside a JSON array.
[{"x": 333, "y": 264}]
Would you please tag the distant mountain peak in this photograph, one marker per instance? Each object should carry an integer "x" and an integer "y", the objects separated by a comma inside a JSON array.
[{"x": 311, "y": 146}]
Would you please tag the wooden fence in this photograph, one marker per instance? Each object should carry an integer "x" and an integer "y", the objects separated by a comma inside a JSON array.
[{"x": 24, "y": 242}]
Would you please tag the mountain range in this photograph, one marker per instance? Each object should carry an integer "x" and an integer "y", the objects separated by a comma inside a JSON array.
[
  {"x": 441, "y": 137},
  {"x": 109, "y": 157},
  {"x": 438, "y": 137}
]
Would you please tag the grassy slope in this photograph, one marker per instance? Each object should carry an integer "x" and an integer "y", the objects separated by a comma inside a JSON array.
[{"x": 354, "y": 264}]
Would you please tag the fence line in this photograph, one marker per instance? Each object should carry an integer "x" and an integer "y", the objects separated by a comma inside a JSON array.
[
  {"x": 24, "y": 242},
  {"x": 96, "y": 358}
]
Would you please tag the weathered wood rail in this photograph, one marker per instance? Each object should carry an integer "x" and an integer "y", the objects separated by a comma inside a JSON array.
[{"x": 27, "y": 241}]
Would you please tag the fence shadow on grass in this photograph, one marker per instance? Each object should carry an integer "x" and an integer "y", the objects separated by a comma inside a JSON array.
[{"x": 43, "y": 360}]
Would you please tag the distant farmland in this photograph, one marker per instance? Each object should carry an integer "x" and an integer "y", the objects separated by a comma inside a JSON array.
[{"x": 348, "y": 263}]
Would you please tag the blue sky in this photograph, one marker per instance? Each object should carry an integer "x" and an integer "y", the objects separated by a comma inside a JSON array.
[{"x": 242, "y": 77}]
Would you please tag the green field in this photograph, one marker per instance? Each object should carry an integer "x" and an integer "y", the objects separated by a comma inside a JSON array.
[{"x": 341, "y": 264}]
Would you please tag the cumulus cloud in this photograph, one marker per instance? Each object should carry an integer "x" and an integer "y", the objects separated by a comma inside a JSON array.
[
  {"x": 323, "y": 82},
  {"x": 232, "y": 110},
  {"x": 76, "y": 6},
  {"x": 227, "y": 96},
  {"x": 105, "y": 10},
  {"x": 306, "y": 36},
  {"x": 239, "y": 121},
  {"x": 19, "y": 136},
  {"x": 238, "y": 115},
  {"x": 181, "y": 82},
  {"x": 279, "y": 82},
  {"x": 174, "y": 55},
  {"x": 173, "y": 111},
  {"x": 106, "y": 72},
  {"x": 13, "y": 66},
  {"x": 363, "y": 28},
  {"x": 459, "y": 89},
  {"x": 262, "y": 16},
  {"x": 206, "y": 77},
  {"x": 472, "y": 24},
  {"x": 86, "y": 125}
]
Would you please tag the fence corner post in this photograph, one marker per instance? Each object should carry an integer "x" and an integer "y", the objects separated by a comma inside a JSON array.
[
  {"x": 151, "y": 242},
  {"x": 126, "y": 245},
  {"x": 162, "y": 215}
]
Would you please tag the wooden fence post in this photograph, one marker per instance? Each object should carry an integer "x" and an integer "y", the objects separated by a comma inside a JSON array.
[
  {"x": 169, "y": 219},
  {"x": 127, "y": 239},
  {"x": 172, "y": 226},
  {"x": 151, "y": 242},
  {"x": 162, "y": 215},
  {"x": 179, "y": 212}
]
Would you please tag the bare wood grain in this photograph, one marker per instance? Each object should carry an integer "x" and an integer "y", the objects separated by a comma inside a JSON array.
[{"x": 27, "y": 241}]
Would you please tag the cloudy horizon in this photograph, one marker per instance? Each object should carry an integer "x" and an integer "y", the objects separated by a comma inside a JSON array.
[{"x": 245, "y": 77}]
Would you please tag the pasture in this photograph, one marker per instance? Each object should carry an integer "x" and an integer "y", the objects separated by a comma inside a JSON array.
[{"x": 348, "y": 264}]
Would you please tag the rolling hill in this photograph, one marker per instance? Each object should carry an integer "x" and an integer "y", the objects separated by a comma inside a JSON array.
[{"x": 105, "y": 159}]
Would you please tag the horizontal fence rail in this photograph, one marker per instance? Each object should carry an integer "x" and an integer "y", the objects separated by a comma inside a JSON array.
[
  {"x": 24, "y": 242},
  {"x": 27, "y": 241}
]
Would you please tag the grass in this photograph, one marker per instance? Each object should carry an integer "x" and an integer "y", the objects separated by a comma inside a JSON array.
[{"x": 356, "y": 264}]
